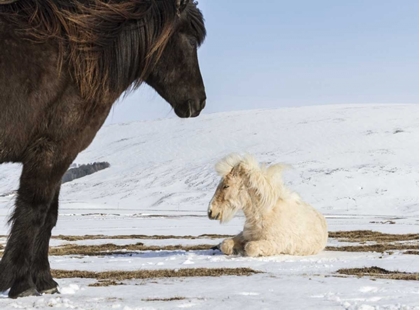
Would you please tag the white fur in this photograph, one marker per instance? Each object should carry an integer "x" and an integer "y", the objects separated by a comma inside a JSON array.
[
  {"x": 225, "y": 166},
  {"x": 278, "y": 221}
]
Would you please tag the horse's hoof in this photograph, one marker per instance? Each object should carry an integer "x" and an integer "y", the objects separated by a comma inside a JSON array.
[
  {"x": 46, "y": 285},
  {"x": 28, "y": 292},
  {"x": 53, "y": 290}
]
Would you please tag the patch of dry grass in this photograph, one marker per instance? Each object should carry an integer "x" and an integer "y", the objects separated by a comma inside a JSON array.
[
  {"x": 106, "y": 283},
  {"x": 165, "y": 299},
  {"x": 349, "y": 236},
  {"x": 379, "y": 273},
  {"x": 110, "y": 249},
  {"x": 381, "y": 247},
  {"x": 110, "y": 276},
  {"x": 383, "y": 242},
  {"x": 411, "y": 252},
  {"x": 152, "y": 237},
  {"x": 369, "y": 235}
]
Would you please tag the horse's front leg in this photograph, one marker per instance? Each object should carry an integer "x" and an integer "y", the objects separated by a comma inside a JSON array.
[
  {"x": 41, "y": 273},
  {"x": 41, "y": 175}
]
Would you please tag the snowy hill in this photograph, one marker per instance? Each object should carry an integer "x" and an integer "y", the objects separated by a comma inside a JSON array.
[
  {"x": 358, "y": 164},
  {"x": 347, "y": 159}
]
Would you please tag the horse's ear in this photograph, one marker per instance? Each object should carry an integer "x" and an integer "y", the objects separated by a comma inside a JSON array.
[{"x": 181, "y": 5}]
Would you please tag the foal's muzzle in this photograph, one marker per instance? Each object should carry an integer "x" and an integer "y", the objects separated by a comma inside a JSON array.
[{"x": 213, "y": 215}]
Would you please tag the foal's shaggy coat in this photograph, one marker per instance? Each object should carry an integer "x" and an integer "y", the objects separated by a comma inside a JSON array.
[{"x": 278, "y": 221}]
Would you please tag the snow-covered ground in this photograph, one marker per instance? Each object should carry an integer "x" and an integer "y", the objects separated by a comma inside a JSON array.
[{"x": 358, "y": 164}]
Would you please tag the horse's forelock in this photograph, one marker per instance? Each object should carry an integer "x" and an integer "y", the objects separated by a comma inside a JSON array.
[{"x": 196, "y": 21}]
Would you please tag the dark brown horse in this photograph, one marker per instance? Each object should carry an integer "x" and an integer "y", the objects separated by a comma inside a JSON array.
[{"x": 63, "y": 63}]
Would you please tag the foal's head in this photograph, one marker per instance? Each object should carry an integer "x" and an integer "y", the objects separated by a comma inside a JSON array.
[
  {"x": 245, "y": 184},
  {"x": 231, "y": 195}
]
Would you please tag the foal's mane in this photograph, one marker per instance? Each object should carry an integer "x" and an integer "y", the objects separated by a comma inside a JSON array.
[
  {"x": 110, "y": 45},
  {"x": 265, "y": 181}
]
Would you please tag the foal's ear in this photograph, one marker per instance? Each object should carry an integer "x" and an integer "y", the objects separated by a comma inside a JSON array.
[
  {"x": 237, "y": 170},
  {"x": 181, "y": 5}
]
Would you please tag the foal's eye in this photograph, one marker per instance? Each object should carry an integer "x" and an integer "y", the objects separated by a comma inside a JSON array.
[{"x": 225, "y": 186}]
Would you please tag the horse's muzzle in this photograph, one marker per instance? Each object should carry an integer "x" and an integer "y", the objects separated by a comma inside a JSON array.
[{"x": 191, "y": 109}]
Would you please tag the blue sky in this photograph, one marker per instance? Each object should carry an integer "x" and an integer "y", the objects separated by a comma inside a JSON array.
[{"x": 272, "y": 54}]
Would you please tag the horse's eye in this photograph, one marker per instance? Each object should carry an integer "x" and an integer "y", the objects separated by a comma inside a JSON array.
[
  {"x": 193, "y": 42},
  {"x": 225, "y": 186}
]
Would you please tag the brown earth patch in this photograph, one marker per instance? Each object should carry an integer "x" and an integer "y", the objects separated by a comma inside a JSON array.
[{"x": 379, "y": 273}]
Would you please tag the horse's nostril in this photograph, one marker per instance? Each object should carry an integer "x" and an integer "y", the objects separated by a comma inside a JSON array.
[{"x": 203, "y": 104}]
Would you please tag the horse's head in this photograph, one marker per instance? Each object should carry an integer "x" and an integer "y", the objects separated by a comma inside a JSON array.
[
  {"x": 231, "y": 194},
  {"x": 176, "y": 75}
]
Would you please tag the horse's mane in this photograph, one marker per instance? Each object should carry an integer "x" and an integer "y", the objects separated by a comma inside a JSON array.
[
  {"x": 110, "y": 45},
  {"x": 266, "y": 181}
]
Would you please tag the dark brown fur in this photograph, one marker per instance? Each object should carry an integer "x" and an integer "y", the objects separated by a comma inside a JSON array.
[{"x": 63, "y": 63}]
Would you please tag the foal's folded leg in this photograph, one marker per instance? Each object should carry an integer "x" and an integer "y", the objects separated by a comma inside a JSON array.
[
  {"x": 260, "y": 248},
  {"x": 233, "y": 245}
]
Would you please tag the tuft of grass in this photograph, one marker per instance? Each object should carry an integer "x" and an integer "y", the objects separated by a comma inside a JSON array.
[
  {"x": 398, "y": 130},
  {"x": 165, "y": 299},
  {"x": 105, "y": 283},
  {"x": 379, "y": 273}
]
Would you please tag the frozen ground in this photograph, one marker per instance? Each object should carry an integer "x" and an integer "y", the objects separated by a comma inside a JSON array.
[{"x": 358, "y": 164}]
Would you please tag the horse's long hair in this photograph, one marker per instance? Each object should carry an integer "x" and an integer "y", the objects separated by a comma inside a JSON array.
[{"x": 110, "y": 45}]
